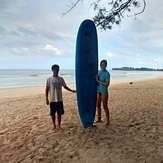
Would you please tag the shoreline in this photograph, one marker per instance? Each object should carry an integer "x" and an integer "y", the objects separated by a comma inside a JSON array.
[{"x": 36, "y": 90}]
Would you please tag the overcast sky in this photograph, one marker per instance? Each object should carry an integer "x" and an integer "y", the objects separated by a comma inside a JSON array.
[{"x": 33, "y": 35}]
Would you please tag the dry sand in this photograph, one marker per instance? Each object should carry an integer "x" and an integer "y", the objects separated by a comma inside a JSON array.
[{"x": 134, "y": 136}]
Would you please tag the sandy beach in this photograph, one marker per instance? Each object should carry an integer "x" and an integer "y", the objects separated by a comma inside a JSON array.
[{"x": 134, "y": 136}]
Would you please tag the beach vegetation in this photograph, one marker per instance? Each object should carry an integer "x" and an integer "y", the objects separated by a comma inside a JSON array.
[
  {"x": 137, "y": 69},
  {"x": 112, "y": 13}
]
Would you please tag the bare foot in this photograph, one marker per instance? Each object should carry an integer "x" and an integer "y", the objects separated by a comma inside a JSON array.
[
  {"x": 107, "y": 124},
  {"x": 99, "y": 121},
  {"x": 94, "y": 126},
  {"x": 60, "y": 128},
  {"x": 54, "y": 127}
]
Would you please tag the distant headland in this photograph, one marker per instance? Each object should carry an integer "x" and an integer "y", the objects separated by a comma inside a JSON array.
[{"x": 137, "y": 69}]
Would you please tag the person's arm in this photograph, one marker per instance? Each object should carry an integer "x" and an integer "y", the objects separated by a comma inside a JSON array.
[
  {"x": 46, "y": 95},
  {"x": 68, "y": 89},
  {"x": 107, "y": 83}
]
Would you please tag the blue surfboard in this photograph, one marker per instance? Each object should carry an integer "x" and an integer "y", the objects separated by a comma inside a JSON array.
[{"x": 86, "y": 67}]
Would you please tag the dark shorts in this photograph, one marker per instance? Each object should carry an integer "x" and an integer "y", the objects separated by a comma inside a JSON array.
[{"x": 56, "y": 107}]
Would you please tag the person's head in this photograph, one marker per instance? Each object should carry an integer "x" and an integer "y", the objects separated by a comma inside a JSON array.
[
  {"x": 103, "y": 65},
  {"x": 55, "y": 69}
]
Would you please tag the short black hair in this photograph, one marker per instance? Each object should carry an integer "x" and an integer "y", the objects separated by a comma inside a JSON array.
[
  {"x": 55, "y": 67},
  {"x": 104, "y": 61}
]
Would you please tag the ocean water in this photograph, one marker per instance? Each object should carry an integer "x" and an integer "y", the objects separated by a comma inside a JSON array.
[
  {"x": 134, "y": 75},
  {"x": 10, "y": 78}
]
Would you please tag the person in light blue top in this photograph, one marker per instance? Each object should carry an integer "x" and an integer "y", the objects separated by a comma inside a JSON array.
[{"x": 103, "y": 79}]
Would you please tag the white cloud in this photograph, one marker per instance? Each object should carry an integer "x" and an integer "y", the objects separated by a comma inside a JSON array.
[
  {"x": 22, "y": 51},
  {"x": 111, "y": 55},
  {"x": 53, "y": 50},
  {"x": 159, "y": 60}
]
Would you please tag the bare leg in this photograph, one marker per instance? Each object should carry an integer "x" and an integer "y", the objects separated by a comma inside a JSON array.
[
  {"x": 53, "y": 120},
  {"x": 105, "y": 105},
  {"x": 59, "y": 121},
  {"x": 98, "y": 104}
]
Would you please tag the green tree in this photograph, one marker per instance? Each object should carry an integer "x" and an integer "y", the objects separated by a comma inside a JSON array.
[{"x": 106, "y": 16}]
